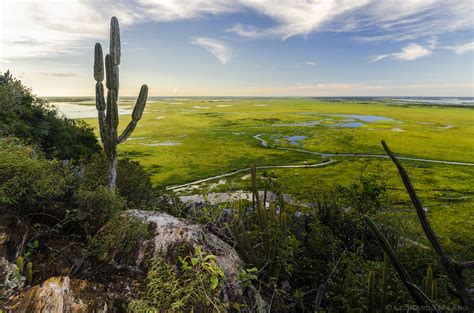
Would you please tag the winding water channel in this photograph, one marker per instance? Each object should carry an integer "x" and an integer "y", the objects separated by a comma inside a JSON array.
[{"x": 328, "y": 160}]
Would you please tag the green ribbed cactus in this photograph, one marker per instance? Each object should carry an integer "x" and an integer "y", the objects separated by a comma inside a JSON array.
[
  {"x": 371, "y": 291},
  {"x": 20, "y": 264},
  {"x": 385, "y": 278},
  {"x": 29, "y": 273},
  {"x": 429, "y": 284},
  {"x": 108, "y": 110}
]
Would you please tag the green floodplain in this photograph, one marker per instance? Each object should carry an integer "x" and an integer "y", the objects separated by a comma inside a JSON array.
[{"x": 180, "y": 141}]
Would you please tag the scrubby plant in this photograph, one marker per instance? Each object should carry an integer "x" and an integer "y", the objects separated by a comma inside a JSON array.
[
  {"x": 193, "y": 283},
  {"x": 33, "y": 120},
  {"x": 27, "y": 179},
  {"x": 118, "y": 238},
  {"x": 108, "y": 111},
  {"x": 5, "y": 78},
  {"x": 133, "y": 182},
  {"x": 97, "y": 206}
]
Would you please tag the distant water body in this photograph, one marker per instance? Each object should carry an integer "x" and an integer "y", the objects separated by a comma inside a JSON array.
[
  {"x": 467, "y": 101},
  {"x": 83, "y": 107}
]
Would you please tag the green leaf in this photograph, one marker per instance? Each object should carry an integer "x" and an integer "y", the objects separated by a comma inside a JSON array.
[{"x": 214, "y": 282}]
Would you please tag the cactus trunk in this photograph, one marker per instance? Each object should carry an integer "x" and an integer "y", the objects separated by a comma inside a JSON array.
[
  {"x": 371, "y": 292},
  {"x": 108, "y": 111},
  {"x": 383, "y": 301}
]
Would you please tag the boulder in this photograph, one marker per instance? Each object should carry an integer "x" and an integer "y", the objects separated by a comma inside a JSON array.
[
  {"x": 61, "y": 294},
  {"x": 166, "y": 235}
]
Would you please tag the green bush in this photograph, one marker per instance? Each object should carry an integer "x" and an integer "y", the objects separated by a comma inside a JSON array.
[
  {"x": 25, "y": 116},
  {"x": 133, "y": 182},
  {"x": 27, "y": 179},
  {"x": 97, "y": 206},
  {"x": 118, "y": 238},
  {"x": 193, "y": 284}
]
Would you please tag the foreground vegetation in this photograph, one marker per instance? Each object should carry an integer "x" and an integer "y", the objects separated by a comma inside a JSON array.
[{"x": 314, "y": 252}]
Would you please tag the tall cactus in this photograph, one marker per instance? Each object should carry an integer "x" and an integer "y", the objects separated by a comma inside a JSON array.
[{"x": 108, "y": 110}]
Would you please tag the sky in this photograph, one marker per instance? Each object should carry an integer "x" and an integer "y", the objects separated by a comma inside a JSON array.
[{"x": 245, "y": 47}]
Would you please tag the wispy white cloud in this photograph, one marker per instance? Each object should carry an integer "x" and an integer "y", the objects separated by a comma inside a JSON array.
[
  {"x": 306, "y": 64},
  {"x": 32, "y": 28},
  {"x": 218, "y": 48},
  {"x": 295, "y": 17},
  {"x": 410, "y": 52},
  {"x": 390, "y": 20},
  {"x": 462, "y": 48},
  {"x": 170, "y": 10}
]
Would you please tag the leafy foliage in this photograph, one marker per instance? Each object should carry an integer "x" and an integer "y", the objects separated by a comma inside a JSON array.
[
  {"x": 191, "y": 284},
  {"x": 28, "y": 179},
  {"x": 25, "y": 116},
  {"x": 118, "y": 238},
  {"x": 133, "y": 182}
]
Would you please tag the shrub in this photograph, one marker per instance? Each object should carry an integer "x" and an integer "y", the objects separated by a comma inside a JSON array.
[
  {"x": 27, "y": 179},
  {"x": 97, "y": 206},
  {"x": 25, "y": 116},
  {"x": 192, "y": 285},
  {"x": 133, "y": 182},
  {"x": 118, "y": 238}
]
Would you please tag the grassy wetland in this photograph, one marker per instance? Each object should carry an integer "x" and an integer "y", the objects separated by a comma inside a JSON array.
[{"x": 180, "y": 141}]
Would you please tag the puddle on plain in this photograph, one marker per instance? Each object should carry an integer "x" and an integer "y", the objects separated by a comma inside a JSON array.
[
  {"x": 363, "y": 118},
  {"x": 199, "y": 107},
  {"x": 350, "y": 125},
  {"x": 350, "y": 121},
  {"x": 223, "y": 105},
  {"x": 164, "y": 143},
  {"x": 137, "y": 138},
  {"x": 294, "y": 140}
]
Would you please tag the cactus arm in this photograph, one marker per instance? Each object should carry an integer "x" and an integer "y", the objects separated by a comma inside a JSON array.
[
  {"x": 416, "y": 293},
  {"x": 136, "y": 115},
  {"x": 107, "y": 71},
  {"x": 99, "y": 88},
  {"x": 448, "y": 264},
  {"x": 100, "y": 105},
  {"x": 98, "y": 63},
  {"x": 115, "y": 52}
]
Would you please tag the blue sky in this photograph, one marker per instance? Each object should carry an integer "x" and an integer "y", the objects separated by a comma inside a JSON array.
[{"x": 245, "y": 47}]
